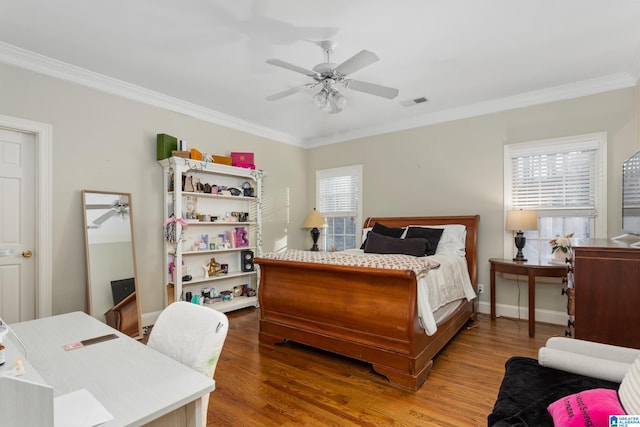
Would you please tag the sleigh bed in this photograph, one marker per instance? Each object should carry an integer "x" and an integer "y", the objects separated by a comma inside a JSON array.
[{"x": 363, "y": 312}]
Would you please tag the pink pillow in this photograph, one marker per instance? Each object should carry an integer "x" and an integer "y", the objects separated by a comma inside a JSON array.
[{"x": 587, "y": 408}]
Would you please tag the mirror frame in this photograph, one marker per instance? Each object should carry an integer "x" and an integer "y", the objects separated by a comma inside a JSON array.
[{"x": 89, "y": 293}]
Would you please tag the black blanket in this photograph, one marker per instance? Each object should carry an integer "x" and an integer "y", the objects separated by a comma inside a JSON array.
[{"x": 528, "y": 388}]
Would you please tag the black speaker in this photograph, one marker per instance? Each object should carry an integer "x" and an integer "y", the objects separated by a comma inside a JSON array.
[{"x": 246, "y": 260}]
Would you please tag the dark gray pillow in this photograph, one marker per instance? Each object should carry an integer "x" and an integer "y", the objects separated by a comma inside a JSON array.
[
  {"x": 432, "y": 235},
  {"x": 379, "y": 244},
  {"x": 385, "y": 231}
]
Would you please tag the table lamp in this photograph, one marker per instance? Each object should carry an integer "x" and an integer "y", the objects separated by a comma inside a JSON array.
[
  {"x": 314, "y": 221},
  {"x": 518, "y": 221}
]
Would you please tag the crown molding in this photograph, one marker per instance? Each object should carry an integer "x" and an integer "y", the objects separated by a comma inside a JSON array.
[
  {"x": 552, "y": 94},
  {"x": 31, "y": 61},
  {"x": 44, "y": 65}
]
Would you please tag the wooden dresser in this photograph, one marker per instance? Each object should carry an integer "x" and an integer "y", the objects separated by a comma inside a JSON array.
[{"x": 607, "y": 292}]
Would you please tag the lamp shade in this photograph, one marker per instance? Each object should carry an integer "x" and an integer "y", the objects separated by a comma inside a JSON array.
[
  {"x": 519, "y": 220},
  {"x": 314, "y": 220}
]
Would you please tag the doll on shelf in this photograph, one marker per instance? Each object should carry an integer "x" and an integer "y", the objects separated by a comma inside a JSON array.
[{"x": 214, "y": 268}]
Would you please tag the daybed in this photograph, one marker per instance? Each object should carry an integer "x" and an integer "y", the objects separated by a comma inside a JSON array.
[
  {"x": 584, "y": 381},
  {"x": 367, "y": 313}
]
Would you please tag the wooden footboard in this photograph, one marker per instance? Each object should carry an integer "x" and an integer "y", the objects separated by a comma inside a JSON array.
[{"x": 365, "y": 313}]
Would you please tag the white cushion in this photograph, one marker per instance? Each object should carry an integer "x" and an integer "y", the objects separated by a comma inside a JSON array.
[
  {"x": 595, "y": 349},
  {"x": 365, "y": 232},
  {"x": 582, "y": 364},
  {"x": 629, "y": 392}
]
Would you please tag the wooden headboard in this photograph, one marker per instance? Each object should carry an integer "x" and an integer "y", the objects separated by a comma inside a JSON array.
[{"x": 469, "y": 221}]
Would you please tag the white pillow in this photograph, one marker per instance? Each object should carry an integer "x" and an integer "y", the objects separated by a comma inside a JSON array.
[
  {"x": 365, "y": 232},
  {"x": 452, "y": 241},
  {"x": 629, "y": 391}
]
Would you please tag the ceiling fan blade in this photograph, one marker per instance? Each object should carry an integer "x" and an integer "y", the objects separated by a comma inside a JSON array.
[
  {"x": 356, "y": 62},
  {"x": 102, "y": 218},
  {"x": 371, "y": 88},
  {"x": 289, "y": 91},
  {"x": 288, "y": 66}
]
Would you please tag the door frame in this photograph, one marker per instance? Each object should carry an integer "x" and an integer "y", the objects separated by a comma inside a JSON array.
[{"x": 43, "y": 133}]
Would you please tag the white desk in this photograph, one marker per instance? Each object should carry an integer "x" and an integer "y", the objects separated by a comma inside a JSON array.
[{"x": 135, "y": 383}]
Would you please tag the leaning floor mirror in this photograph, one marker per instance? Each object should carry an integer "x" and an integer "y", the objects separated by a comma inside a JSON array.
[{"x": 112, "y": 283}]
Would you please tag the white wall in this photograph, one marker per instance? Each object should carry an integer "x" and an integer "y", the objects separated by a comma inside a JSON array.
[
  {"x": 457, "y": 168},
  {"x": 103, "y": 142}
]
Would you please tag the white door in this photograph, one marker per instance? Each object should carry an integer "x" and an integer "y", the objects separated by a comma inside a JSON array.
[{"x": 18, "y": 257}]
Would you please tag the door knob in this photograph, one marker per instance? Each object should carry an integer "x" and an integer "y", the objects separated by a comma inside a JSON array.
[{"x": 27, "y": 253}]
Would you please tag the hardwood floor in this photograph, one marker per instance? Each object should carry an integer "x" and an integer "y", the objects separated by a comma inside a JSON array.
[{"x": 292, "y": 385}]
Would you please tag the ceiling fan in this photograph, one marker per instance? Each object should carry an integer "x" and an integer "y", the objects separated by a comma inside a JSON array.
[
  {"x": 119, "y": 207},
  {"x": 329, "y": 75}
]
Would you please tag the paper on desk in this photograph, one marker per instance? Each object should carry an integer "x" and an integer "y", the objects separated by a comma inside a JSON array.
[{"x": 79, "y": 409}]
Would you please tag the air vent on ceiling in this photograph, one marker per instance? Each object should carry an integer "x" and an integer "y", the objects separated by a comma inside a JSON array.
[{"x": 415, "y": 101}]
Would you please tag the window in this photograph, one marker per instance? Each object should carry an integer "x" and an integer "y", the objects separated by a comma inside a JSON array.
[
  {"x": 339, "y": 199},
  {"x": 563, "y": 180}
]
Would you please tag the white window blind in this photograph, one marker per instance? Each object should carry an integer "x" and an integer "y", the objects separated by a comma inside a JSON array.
[
  {"x": 339, "y": 199},
  {"x": 631, "y": 182},
  {"x": 339, "y": 194},
  {"x": 561, "y": 180}
]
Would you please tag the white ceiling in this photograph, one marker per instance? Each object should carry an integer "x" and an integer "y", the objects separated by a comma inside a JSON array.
[{"x": 207, "y": 58}]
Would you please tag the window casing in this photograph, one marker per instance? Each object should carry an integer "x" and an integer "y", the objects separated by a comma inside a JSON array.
[
  {"x": 563, "y": 179},
  {"x": 339, "y": 199}
]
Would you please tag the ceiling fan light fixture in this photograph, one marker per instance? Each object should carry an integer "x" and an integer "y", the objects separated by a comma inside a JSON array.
[
  {"x": 339, "y": 99},
  {"x": 330, "y": 101},
  {"x": 336, "y": 102},
  {"x": 321, "y": 99}
]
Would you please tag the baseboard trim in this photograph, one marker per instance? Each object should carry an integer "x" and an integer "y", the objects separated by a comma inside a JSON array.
[{"x": 512, "y": 311}]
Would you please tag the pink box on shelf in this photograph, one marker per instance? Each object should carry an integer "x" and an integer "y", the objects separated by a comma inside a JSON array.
[{"x": 244, "y": 160}]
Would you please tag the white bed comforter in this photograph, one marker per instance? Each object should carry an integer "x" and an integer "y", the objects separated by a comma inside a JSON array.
[{"x": 448, "y": 283}]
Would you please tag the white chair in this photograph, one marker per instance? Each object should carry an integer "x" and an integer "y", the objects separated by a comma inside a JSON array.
[{"x": 193, "y": 335}]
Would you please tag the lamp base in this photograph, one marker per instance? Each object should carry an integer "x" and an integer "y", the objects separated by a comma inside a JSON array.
[
  {"x": 315, "y": 234},
  {"x": 520, "y": 257},
  {"x": 520, "y": 241}
]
